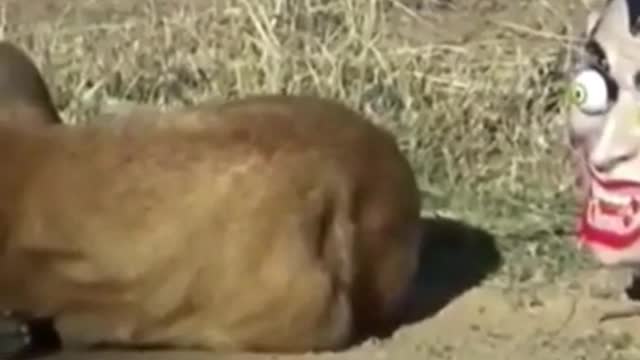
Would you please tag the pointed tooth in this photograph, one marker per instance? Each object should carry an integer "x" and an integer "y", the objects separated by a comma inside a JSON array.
[{"x": 610, "y": 197}]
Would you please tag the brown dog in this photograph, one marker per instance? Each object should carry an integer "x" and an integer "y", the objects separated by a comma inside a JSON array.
[{"x": 284, "y": 224}]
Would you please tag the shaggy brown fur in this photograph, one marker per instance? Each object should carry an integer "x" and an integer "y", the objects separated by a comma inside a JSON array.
[
  {"x": 23, "y": 91},
  {"x": 285, "y": 224}
]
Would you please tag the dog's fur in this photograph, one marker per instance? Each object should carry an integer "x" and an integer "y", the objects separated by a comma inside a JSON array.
[{"x": 271, "y": 223}]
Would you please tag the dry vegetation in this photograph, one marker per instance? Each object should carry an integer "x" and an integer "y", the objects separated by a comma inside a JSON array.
[{"x": 472, "y": 89}]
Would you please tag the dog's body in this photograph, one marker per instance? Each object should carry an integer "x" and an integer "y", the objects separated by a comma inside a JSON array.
[{"x": 267, "y": 224}]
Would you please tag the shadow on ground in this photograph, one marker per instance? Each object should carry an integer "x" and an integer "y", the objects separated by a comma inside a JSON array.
[{"x": 455, "y": 258}]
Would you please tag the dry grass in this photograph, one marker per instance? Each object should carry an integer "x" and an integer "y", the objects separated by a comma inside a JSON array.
[{"x": 480, "y": 120}]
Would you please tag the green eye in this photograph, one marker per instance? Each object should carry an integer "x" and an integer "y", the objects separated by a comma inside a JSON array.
[
  {"x": 578, "y": 94},
  {"x": 589, "y": 92}
]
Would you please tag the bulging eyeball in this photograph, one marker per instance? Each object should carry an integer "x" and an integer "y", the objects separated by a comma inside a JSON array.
[{"x": 589, "y": 91}]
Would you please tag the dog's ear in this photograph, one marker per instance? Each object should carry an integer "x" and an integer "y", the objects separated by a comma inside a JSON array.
[{"x": 22, "y": 84}]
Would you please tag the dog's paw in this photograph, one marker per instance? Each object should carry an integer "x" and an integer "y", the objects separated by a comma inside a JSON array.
[
  {"x": 15, "y": 335},
  {"x": 22, "y": 336}
]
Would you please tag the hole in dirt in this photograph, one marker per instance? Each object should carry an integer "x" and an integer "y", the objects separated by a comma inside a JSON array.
[{"x": 456, "y": 257}]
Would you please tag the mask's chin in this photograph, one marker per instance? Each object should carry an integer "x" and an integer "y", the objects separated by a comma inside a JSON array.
[{"x": 609, "y": 226}]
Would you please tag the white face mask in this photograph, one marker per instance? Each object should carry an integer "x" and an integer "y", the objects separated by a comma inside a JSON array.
[{"x": 604, "y": 124}]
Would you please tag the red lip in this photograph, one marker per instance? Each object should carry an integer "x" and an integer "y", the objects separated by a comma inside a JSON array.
[
  {"x": 592, "y": 235},
  {"x": 613, "y": 184}
]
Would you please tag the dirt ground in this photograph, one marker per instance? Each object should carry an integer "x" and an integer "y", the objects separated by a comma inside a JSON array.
[{"x": 458, "y": 316}]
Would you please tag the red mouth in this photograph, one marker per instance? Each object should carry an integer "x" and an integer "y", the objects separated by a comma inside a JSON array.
[{"x": 611, "y": 214}]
